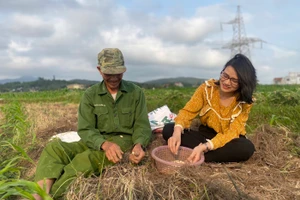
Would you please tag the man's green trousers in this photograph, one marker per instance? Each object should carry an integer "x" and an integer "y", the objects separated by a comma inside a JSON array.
[{"x": 66, "y": 161}]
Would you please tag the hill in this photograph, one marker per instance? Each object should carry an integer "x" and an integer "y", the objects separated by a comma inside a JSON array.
[
  {"x": 21, "y": 79},
  {"x": 42, "y": 84},
  {"x": 24, "y": 84},
  {"x": 185, "y": 81}
]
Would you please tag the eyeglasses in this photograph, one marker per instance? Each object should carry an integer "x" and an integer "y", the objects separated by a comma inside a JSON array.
[{"x": 233, "y": 81}]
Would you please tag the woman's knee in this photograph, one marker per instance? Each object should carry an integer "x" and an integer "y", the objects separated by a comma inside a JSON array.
[
  {"x": 249, "y": 149},
  {"x": 245, "y": 148},
  {"x": 237, "y": 150}
]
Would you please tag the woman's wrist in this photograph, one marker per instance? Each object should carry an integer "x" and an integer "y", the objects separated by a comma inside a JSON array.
[
  {"x": 205, "y": 147},
  {"x": 177, "y": 130}
]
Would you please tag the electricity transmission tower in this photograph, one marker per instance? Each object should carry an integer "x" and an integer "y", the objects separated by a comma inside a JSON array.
[{"x": 240, "y": 42}]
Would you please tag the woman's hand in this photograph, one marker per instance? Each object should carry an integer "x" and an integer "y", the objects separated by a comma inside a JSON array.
[
  {"x": 175, "y": 141},
  {"x": 197, "y": 153}
]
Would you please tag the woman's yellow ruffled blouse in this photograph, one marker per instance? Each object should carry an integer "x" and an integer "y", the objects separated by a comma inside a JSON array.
[{"x": 229, "y": 122}]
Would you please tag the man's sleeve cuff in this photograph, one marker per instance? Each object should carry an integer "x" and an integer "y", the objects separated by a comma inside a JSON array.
[
  {"x": 98, "y": 143},
  {"x": 140, "y": 141}
]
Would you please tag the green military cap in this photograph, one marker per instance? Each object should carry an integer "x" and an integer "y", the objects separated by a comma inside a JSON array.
[{"x": 111, "y": 61}]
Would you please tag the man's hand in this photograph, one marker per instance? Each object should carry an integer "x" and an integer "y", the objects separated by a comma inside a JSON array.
[
  {"x": 137, "y": 154},
  {"x": 112, "y": 151}
]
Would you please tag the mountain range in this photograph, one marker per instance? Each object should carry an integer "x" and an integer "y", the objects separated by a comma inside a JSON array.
[
  {"x": 21, "y": 79},
  {"x": 28, "y": 83},
  {"x": 186, "y": 81}
]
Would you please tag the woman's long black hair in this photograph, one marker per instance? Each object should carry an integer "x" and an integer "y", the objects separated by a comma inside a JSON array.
[{"x": 246, "y": 76}]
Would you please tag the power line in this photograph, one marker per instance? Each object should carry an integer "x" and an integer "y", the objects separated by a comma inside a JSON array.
[{"x": 240, "y": 42}]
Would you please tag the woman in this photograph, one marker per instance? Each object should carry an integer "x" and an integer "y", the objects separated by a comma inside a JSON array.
[{"x": 223, "y": 106}]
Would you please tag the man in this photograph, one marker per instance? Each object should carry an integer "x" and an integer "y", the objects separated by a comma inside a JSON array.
[{"x": 112, "y": 119}]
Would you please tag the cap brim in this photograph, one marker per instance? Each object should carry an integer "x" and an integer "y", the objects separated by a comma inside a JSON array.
[{"x": 114, "y": 70}]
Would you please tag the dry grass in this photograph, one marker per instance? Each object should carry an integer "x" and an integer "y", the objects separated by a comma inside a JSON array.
[
  {"x": 58, "y": 117},
  {"x": 272, "y": 173},
  {"x": 48, "y": 119}
]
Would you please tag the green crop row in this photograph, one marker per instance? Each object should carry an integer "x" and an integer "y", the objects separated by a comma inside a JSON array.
[{"x": 275, "y": 104}]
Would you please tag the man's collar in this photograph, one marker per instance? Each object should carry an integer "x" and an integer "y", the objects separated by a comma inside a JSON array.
[
  {"x": 102, "y": 89},
  {"x": 123, "y": 86}
]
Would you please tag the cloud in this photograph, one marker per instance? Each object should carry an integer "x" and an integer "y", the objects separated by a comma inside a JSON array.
[
  {"x": 142, "y": 49},
  {"x": 41, "y": 8},
  {"x": 158, "y": 39},
  {"x": 29, "y": 26},
  {"x": 191, "y": 30},
  {"x": 280, "y": 53},
  {"x": 17, "y": 62},
  {"x": 19, "y": 47}
]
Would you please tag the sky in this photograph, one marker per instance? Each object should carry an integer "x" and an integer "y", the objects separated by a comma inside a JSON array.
[{"x": 158, "y": 38}]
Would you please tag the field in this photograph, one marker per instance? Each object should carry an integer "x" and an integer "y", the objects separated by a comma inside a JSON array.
[{"x": 28, "y": 120}]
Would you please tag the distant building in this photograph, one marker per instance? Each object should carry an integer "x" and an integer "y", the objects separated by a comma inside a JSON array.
[
  {"x": 166, "y": 85},
  {"x": 292, "y": 78},
  {"x": 277, "y": 81},
  {"x": 178, "y": 84},
  {"x": 75, "y": 86}
]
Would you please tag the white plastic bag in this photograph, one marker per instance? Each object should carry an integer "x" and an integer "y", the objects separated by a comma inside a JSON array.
[
  {"x": 67, "y": 137},
  {"x": 160, "y": 116}
]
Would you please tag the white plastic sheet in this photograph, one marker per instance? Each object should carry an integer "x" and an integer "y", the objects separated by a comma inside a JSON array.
[
  {"x": 160, "y": 116},
  {"x": 68, "y": 137}
]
